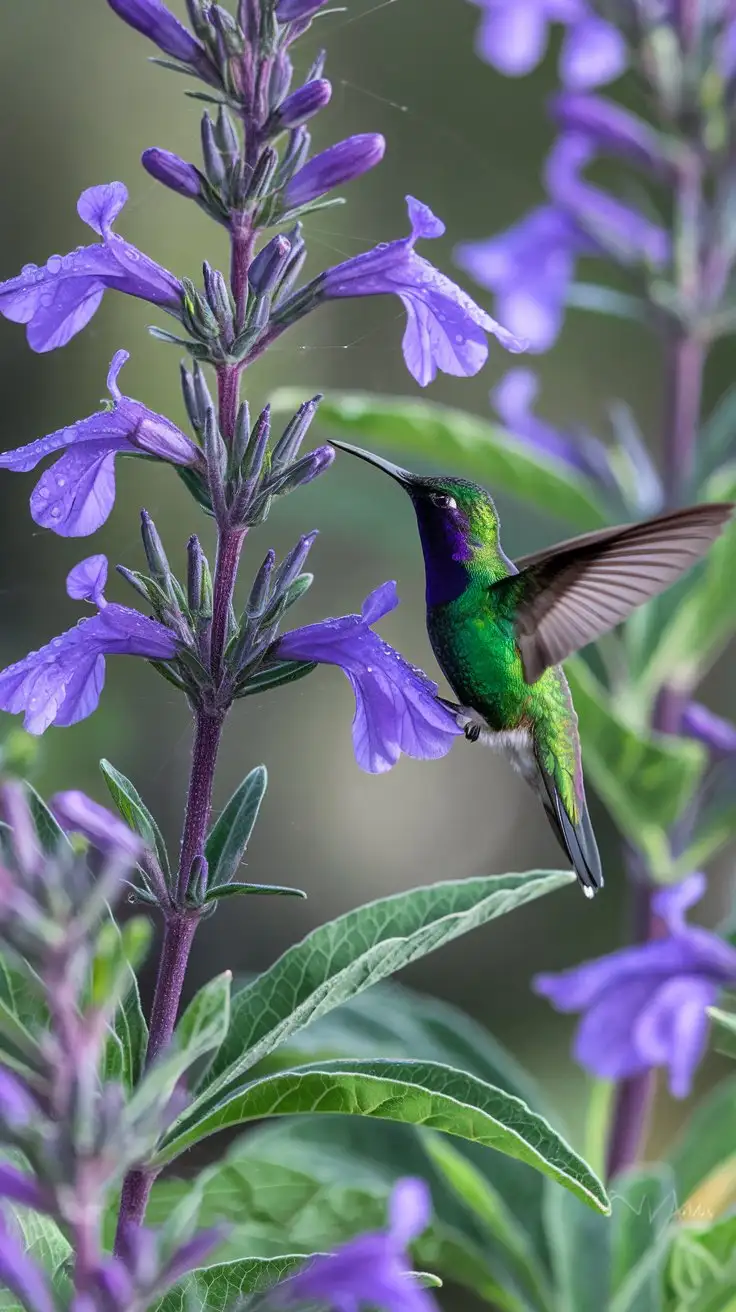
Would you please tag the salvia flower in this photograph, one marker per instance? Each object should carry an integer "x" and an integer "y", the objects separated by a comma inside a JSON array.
[
  {"x": 20, "y": 1274},
  {"x": 445, "y": 329},
  {"x": 530, "y": 268},
  {"x": 75, "y": 496},
  {"x": 513, "y": 399},
  {"x": 716, "y": 733},
  {"x": 341, "y": 163},
  {"x": 154, "y": 20},
  {"x": 58, "y": 300},
  {"x": 373, "y": 1269},
  {"x": 513, "y": 38},
  {"x": 173, "y": 171},
  {"x": 396, "y": 705},
  {"x": 61, "y": 683},
  {"x": 78, "y": 814},
  {"x": 645, "y": 1006},
  {"x": 612, "y": 129}
]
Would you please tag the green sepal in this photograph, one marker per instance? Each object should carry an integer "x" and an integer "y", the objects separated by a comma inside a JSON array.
[{"x": 274, "y": 676}]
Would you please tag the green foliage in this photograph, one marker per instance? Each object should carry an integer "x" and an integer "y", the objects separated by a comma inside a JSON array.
[
  {"x": 23, "y": 1018},
  {"x": 230, "y": 835},
  {"x": 725, "y": 1030},
  {"x": 644, "y": 779},
  {"x": 701, "y": 1276},
  {"x": 135, "y": 812},
  {"x": 708, "y": 1139},
  {"x": 219, "y": 1287},
  {"x": 460, "y": 443}
]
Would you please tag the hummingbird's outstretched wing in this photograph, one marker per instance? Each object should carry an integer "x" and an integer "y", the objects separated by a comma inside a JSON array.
[{"x": 568, "y": 595}]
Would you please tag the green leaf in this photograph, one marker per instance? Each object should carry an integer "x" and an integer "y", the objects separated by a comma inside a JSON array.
[
  {"x": 702, "y": 1268},
  {"x": 229, "y": 837},
  {"x": 48, "y": 829},
  {"x": 135, "y": 812},
  {"x": 706, "y": 616},
  {"x": 274, "y": 676},
  {"x": 580, "y": 1244},
  {"x": 417, "y": 1093},
  {"x": 725, "y": 1036},
  {"x": 127, "y": 1040},
  {"x": 462, "y": 442},
  {"x": 644, "y": 1205},
  {"x": 644, "y": 779},
  {"x": 347, "y": 955},
  {"x": 708, "y": 1140},
  {"x": 23, "y": 1018},
  {"x": 217, "y": 1288},
  {"x": 241, "y": 890}
]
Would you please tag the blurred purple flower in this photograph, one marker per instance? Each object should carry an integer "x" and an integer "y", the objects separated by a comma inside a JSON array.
[
  {"x": 530, "y": 268},
  {"x": 513, "y": 399},
  {"x": 61, "y": 683},
  {"x": 333, "y": 167},
  {"x": 396, "y": 706},
  {"x": 372, "y": 1269},
  {"x": 78, "y": 814},
  {"x": 718, "y": 735},
  {"x": 445, "y": 329},
  {"x": 289, "y": 11},
  {"x": 75, "y": 496},
  {"x": 513, "y": 38},
  {"x": 57, "y": 301},
  {"x": 646, "y": 1006},
  {"x": 17, "y": 1105},
  {"x": 20, "y": 1274},
  {"x": 617, "y": 228},
  {"x": 609, "y": 127}
]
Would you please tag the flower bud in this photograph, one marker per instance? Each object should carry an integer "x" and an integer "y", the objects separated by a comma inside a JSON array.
[
  {"x": 154, "y": 20},
  {"x": 213, "y": 162},
  {"x": 333, "y": 167},
  {"x": 268, "y": 265},
  {"x": 287, "y": 447},
  {"x": 301, "y": 105},
  {"x": 173, "y": 172},
  {"x": 304, "y": 471}
]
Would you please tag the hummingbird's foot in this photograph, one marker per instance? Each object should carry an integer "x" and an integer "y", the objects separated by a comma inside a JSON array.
[
  {"x": 473, "y": 732},
  {"x": 466, "y": 718}
]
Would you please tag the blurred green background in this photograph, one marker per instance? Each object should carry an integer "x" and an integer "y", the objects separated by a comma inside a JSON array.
[{"x": 81, "y": 103}]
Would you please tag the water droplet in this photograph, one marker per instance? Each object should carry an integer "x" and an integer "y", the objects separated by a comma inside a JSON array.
[
  {"x": 55, "y": 512},
  {"x": 43, "y": 493},
  {"x": 29, "y": 269},
  {"x": 61, "y": 482},
  {"x": 56, "y": 642},
  {"x": 382, "y": 246},
  {"x": 54, "y": 263},
  {"x": 459, "y": 337}
]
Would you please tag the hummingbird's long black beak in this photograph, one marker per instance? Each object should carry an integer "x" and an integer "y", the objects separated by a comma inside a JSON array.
[{"x": 402, "y": 476}]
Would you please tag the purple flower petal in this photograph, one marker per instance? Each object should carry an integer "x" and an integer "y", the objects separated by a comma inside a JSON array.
[
  {"x": 21, "y": 1275},
  {"x": 78, "y": 814},
  {"x": 58, "y": 300},
  {"x": 410, "y": 1210},
  {"x": 86, "y": 581},
  {"x": 719, "y": 735},
  {"x": 333, "y": 167},
  {"x": 604, "y": 1043},
  {"x": 445, "y": 329},
  {"x": 513, "y": 36},
  {"x": 513, "y": 398},
  {"x": 610, "y": 127},
  {"x": 593, "y": 52},
  {"x": 20, "y": 1188},
  {"x": 671, "y": 903},
  {"x": 61, "y": 683},
  {"x": 396, "y": 707},
  {"x": 672, "y": 1029},
  {"x": 75, "y": 496}
]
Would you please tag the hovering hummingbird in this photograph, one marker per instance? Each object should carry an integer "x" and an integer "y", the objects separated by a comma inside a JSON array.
[{"x": 499, "y": 629}]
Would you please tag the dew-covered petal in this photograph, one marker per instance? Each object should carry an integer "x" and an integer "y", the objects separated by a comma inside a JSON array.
[
  {"x": 86, "y": 581},
  {"x": 76, "y": 495},
  {"x": 672, "y": 1029},
  {"x": 99, "y": 206},
  {"x": 71, "y": 306},
  {"x": 124, "y": 631},
  {"x": 380, "y": 602},
  {"x": 425, "y": 225}
]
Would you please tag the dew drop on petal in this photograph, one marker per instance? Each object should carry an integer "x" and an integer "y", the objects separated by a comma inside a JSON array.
[
  {"x": 61, "y": 482},
  {"x": 55, "y": 512},
  {"x": 54, "y": 263},
  {"x": 43, "y": 493}
]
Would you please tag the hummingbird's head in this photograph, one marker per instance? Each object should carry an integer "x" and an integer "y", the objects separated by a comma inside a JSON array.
[{"x": 458, "y": 526}]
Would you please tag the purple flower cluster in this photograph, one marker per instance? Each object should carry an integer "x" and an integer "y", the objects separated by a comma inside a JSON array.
[{"x": 513, "y": 34}]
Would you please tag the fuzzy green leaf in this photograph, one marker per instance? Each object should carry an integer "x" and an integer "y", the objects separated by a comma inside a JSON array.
[
  {"x": 229, "y": 837},
  {"x": 135, "y": 812}
]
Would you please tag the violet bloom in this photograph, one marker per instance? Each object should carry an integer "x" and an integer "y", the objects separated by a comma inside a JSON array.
[
  {"x": 372, "y": 1269},
  {"x": 20, "y": 1274},
  {"x": 717, "y": 734},
  {"x": 75, "y": 496},
  {"x": 78, "y": 814},
  {"x": 341, "y": 163},
  {"x": 513, "y": 399},
  {"x": 61, "y": 683},
  {"x": 530, "y": 268},
  {"x": 513, "y": 38},
  {"x": 58, "y": 300},
  {"x": 396, "y": 705},
  {"x": 609, "y": 127},
  {"x": 617, "y": 228},
  {"x": 445, "y": 329},
  {"x": 646, "y": 1006}
]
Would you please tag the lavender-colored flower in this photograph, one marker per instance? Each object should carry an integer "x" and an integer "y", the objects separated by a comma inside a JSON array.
[
  {"x": 396, "y": 706},
  {"x": 75, "y": 496},
  {"x": 19, "y": 1273},
  {"x": 58, "y": 300},
  {"x": 18, "y": 1187},
  {"x": 333, "y": 167},
  {"x": 609, "y": 127},
  {"x": 513, "y": 38},
  {"x": 445, "y": 329},
  {"x": 530, "y": 268},
  {"x": 718, "y": 735},
  {"x": 372, "y": 1269},
  {"x": 155, "y": 21},
  {"x": 616, "y": 227},
  {"x": 513, "y": 399},
  {"x": 61, "y": 683},
  {"x": 173, "y": 171},
  {"x": 78, "y": 814},
  {"x": 17, "y": 1106},
  {"x": 646, "y": 1006}
]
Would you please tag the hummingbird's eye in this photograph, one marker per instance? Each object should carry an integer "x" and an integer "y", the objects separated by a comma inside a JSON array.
[{"x": 444, "y": 500}]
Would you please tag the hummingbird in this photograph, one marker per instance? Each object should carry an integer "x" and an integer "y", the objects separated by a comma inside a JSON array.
[{"x": 500, "y": 629}]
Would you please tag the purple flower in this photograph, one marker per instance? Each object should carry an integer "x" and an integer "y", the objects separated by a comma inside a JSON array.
[
  {"x": 289, "y": 11},
  {"x": 372, "y": 1269},
  {"x": 513, "y": 38},
  {"x": 646, "y": 1006},
  {"x": 616, "y": 227},
  {"x": 332, "y": 167},
  {"x": 78, "y": 814},
  {"x": 445, "y": 329},
  {"x": 173, "y": 171},
  {"x": 61, "y": 683},
  {"x": 75, "y": 496},
  {"x": 20, "y": 1188},
  {"x": 155, "y": 21},
  {"x": 513, "y": 399},
  {"x": 396, "y": 706},
  {"x": 57, "y": 301},
  {"x": 21, "y": 1275},
  {"x": 609, "y": 127},
  {"x": 530, "y": 268},
  {"x": 718, "y": 735}
]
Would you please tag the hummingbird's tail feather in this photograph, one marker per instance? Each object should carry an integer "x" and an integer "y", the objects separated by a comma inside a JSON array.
[{"x": 576, "y": 840}]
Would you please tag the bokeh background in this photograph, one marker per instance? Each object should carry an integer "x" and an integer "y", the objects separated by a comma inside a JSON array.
[{"x": 80, "y": 104}]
